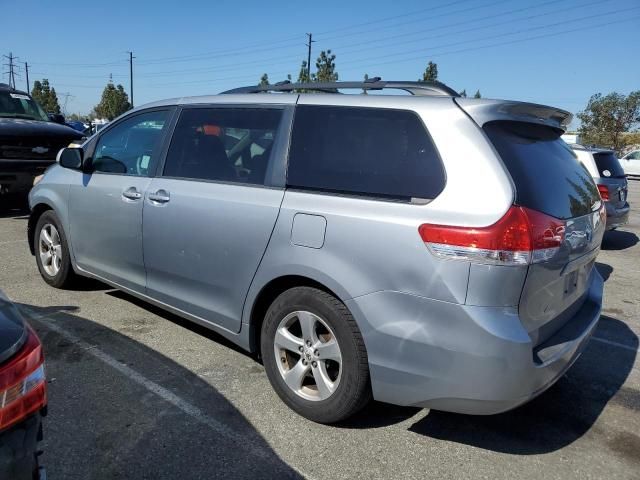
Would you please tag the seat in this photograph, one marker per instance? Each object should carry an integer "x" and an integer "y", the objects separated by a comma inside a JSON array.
[{"x": 204, "y": 157}]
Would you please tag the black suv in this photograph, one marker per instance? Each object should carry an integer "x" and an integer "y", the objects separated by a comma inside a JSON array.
[{"x": 29, "y": 141}]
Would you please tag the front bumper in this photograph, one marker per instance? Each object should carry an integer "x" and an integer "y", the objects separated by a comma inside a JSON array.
[
  {"x": 616, "y": 217},
  {"x": 466, "y": 359},
  {"x": 18, "y": 175},
  {"x": 18, "y": 447}
]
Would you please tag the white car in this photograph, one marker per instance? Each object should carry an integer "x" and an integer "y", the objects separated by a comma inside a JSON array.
[{"x": 631, "y": 163}]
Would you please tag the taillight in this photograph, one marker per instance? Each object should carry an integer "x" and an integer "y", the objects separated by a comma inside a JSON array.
[
  {"x": 604, "y": 192},
  {"x": 520, "y": 237},
  {"x": 22, "y": 383}
]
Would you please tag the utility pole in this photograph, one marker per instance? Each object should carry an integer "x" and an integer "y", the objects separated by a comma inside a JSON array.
[
  {"x": 26, "y": 70},
  {"x": 309, "y": 55},
  {"x": 131, "y": 57}
]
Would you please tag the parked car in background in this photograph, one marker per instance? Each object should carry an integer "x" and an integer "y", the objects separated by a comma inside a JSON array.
[
  {"x": 631, "y": 163},
  {"x": 23, "y": 395},
  {"x": 426, "y": 250},
  {"x": 77, "y": 125},
  {"x": 29, "y": 140},
  {"x": 604, "y": 167}
]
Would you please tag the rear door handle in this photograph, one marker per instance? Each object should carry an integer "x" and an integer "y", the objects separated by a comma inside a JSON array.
[
  {"x": 161, "y": 196},
  {"x": 132, "y": 194}
]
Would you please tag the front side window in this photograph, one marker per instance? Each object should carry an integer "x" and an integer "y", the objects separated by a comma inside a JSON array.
[
  {"x": 223, "y": 144},
  {"x": 379, "y": 153},
  {"x": 132, "y": 146}
]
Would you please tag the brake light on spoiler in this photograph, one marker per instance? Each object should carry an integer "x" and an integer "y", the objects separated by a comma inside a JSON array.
[{"x": 521, "y": 237}]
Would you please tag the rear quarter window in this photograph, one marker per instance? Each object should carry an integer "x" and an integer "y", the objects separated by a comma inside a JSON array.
[
  {"x": 547, "y": 175},
  {"x": 371, "y": 152}
]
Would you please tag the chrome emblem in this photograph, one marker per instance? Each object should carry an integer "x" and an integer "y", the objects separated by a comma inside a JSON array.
[{"x": 39, "y": 150}]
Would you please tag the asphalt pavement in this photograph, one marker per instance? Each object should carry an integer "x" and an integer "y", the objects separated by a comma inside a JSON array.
[{"x": 138, "y": 393}]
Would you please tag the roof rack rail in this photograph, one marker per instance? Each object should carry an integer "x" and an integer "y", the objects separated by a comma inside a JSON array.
[{"x": 375, "y": 83}]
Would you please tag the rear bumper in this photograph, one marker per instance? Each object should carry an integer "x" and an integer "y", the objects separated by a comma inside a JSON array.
[
  {"x": 18, "y": 175},
  {"x": 18, "y": 447},
  {"x": 466, "y": 359},
  {"x": 616, "y": 217}
]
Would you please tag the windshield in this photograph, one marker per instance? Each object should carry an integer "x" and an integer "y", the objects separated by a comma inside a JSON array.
[
  {"x": 19, "y": 105},
  {"x": 608, "y": 165},
  {"x": 547, "y": 175}
]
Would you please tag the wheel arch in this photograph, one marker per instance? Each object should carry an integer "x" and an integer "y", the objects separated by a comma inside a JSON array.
[
  {"x": 269, "y": 292},
  {"x": 36, "y": 213}
]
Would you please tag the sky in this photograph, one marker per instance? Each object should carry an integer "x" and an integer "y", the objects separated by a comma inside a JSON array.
[{"x": 556, "y": 52}]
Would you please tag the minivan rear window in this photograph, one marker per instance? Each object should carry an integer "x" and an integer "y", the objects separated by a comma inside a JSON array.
[
  {"x": 547, "y": 175},
  {"x": 380, "y": 153},
  {"x": 608, "y": 165}
]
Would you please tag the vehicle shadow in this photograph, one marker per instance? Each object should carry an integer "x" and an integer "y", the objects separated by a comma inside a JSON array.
[
  {"x": 605, "y": 270},
  {"x": 619, "y": 240},
  {"x": 13, "y": 206},
  {"x": 194, "y": 327},
  {"x": 559, "y": 416},
  {"x": 118, "y": 409}
]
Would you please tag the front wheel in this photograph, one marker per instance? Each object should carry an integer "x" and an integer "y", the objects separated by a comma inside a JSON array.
[
  {"x": 52, "y": 251},
  {"x": 314, "y": 355}
]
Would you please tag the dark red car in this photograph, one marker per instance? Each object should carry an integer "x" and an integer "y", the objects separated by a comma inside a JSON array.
[{"x": 23, "y": 395}]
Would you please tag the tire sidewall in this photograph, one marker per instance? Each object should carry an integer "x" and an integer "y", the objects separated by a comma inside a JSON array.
[
  {"x": 60, "y": 279},
  {"x": 303, "y": 298}
]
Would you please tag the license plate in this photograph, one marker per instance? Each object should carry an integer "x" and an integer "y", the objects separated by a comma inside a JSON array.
[{"x": 571, "y": 283}]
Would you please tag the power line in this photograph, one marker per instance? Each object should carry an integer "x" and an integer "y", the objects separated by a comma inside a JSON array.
[
  {"x": 444, "y": 53},
  {"x": 482, "y": 27},
  {"x": 510, "y": 42},
  {"x": 385, "y": 19},
  {"x": 516, "y": 32}
]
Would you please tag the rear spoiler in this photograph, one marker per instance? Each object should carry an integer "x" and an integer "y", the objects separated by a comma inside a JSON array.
[{"x": 484, "y": 110}]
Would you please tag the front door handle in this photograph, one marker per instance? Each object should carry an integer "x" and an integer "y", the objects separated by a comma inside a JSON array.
[
  {"x": 132, "y": 194},
  {"x": 161, "y": 196}
]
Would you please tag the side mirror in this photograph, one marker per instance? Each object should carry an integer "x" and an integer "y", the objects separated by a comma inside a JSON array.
[
  {"x": 57, "y": 118},
  {"x": 71, "y": 158}
]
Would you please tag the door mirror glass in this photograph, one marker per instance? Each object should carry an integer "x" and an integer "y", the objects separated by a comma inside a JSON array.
[
  {"x": 71, "y": 158},
  {"x": 57, "y": 118}
]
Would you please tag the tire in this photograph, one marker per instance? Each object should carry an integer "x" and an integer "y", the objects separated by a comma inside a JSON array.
[
  {"x": 58, "y": 272},
  {"x": 333, "y": 384}
]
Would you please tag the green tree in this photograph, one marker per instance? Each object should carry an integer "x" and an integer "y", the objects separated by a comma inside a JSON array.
[
  {"x": 114, "y": 102},
  {"x": 46, "y": 96},
  {"x": 431, "y": 73},
  {"x": 477, "y": 94},
  {"x": 303, "y": 75},
  {"x": 264, "y": 80},
  {"x": 325, "y": 68},
  {"x": 606, "y": 118},
  {"x": 463, "y": 93}
]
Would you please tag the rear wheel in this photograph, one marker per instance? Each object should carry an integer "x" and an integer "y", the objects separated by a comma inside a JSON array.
[
  {"x": 314, "y": 355},
  {"x": 52, "y": 251}
]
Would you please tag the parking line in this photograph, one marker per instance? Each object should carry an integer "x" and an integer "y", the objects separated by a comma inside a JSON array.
[
  {"x": 244, "y": 443},
  {"x": 615, "y": 344}
]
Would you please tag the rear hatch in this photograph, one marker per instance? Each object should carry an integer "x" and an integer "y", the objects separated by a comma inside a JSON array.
[
  {"x": 613, "y": 177},
  {"x": 548, "y": 178}
]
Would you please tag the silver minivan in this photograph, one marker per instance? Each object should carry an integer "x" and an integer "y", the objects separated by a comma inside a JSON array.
[{"x": 421, "y": 249}]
